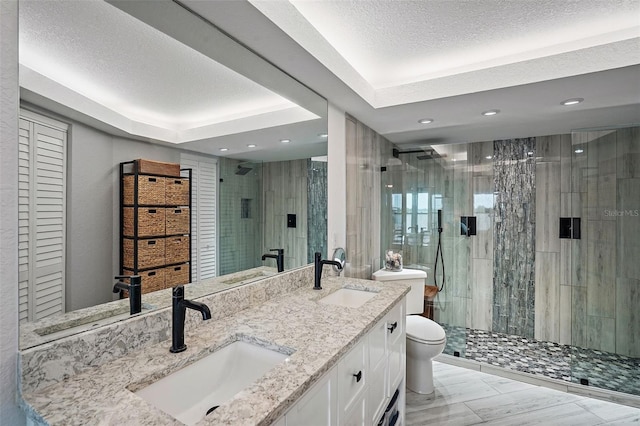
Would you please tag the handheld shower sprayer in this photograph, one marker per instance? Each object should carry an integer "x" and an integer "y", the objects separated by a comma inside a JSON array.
[{"x": 439, "y": 255}]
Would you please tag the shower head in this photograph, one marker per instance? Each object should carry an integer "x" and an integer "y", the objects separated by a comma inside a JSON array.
[
  {"x": 243, "y": 169},
  {"x": 425, "y": 154}
]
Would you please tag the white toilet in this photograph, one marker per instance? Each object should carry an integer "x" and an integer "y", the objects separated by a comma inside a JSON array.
[{"x": 425, "y": 338}]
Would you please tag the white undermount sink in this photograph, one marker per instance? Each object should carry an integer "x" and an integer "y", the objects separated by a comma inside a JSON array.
[
  {"x": 348, "y": 297},
  {"x": 192, "y": 392}
]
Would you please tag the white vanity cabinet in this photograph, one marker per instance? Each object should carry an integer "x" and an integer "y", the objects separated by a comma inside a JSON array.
[{"x": 358, "y": 389}]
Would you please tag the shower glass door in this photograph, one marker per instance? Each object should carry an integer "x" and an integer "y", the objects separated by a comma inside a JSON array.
[{"x": 604, "y": 253}]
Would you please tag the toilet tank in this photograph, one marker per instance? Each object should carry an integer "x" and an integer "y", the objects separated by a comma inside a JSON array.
[{"x": 416, "y": 278}]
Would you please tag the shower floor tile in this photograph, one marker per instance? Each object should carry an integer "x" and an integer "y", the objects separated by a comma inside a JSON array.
[{"x": 564, "y": 362}]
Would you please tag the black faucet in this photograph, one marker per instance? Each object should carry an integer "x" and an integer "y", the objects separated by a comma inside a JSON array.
[
  {"x": 180, "y": 305},
  {"x": 278, "y": 257},
  {"x": 134, "y": 287},
  {"x": 319, "y": 263}
]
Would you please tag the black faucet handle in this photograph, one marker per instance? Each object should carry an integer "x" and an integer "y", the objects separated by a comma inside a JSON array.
[
  {"x": 133, "y": 279},
  {"x": 279, "y": 250}
]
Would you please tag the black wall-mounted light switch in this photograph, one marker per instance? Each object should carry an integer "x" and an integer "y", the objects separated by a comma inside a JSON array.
[{"x": 291, "y": 221}]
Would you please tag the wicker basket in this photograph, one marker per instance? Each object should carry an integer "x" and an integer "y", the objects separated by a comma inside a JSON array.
[
  {"x": 177, "y": 221},
  {"x": 152, "y": 280},
  {"x": 150, "y": 190},
  {"x": 177, "y": 275},
  {"x": 177, "y": 249},
  {"x": 158, "y": 168},
  {"x": 176, "y": 192},
  {"x": 150, "y": 253},
  {"x": 151, "y": 222}
]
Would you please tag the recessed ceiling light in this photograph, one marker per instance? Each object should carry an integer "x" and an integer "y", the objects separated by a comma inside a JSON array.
[
  {"x": 425, "y": 121},
  {"x": 251, "y": 145},
  {"x": 579, "y": 151},
  {"x": 491, "y": 112},
  {"x": 224, "y": 149},
  {"x": 323, "y": 135},
  {"x": 572, "y": 101},
  {"x": 285, "y": 140},
  {"x": 488, "y": 157}
]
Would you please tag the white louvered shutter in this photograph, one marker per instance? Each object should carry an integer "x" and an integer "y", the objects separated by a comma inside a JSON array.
[
  {"x": 42, "y": 207},
  {"x": 203, "y": 226}
]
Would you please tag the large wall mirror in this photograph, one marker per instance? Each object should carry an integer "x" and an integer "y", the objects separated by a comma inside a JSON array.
[{"x": 109, "y": 82}]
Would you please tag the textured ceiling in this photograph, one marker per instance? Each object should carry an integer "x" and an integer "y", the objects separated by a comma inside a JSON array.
[
  {"x": 91, "y": 53},
  {"x": 395, "y": 52}
]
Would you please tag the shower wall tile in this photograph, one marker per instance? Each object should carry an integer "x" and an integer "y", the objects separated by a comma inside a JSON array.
[
  {"x": 607, "y": 196},
  {"x": 565, "y": 314},
  {"x": 317, "y": 208},
  {"x": 480, "y": 164},
  {"x": 483, "y": 210},
  {"x": 565, "y": 163},
  {"x": 628, "y": 147},
  {"x": 514, "y": 237},
  {"x": 628, "y": 228},
  {"x": 365, "y": 151},
  {"x": 579, "y": 316},
  {"x": 547, "y": 187},
  {"x": 601, "y": 333},
  {"x": 628, "y": 317},
  {"x": 285, "y": 186},
  {"x": 481, "y": 302},
  {"x": 547, "y": 296},
  {"x": 548, "y": 148},
  {"x": 565, "y": 261}
]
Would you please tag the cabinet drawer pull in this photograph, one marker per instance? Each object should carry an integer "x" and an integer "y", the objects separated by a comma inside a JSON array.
[
  {"x": 358, "y": 376},
  {"x": 392, "y": 327}
]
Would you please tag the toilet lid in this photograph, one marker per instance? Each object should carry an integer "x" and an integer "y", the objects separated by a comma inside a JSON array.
[{"x": 425, "y": 330}]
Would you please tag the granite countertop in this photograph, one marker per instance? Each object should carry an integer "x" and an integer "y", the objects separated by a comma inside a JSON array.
[{"x": 315, "y": 335}]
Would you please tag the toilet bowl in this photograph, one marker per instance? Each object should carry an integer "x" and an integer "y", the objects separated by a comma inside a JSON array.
[{"x": 425, "y": 338}]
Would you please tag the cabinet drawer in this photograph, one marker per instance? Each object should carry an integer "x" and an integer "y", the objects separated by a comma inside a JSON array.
[
  {"x": 151, "y": 222},
  {"x": 352, "y": 375},
  {"x": 150, "y": 190},
  {"x": 395, "y": 324}
]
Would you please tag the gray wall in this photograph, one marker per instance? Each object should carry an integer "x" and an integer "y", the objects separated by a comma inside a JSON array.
[
  {"x": 9, "y": 412},
  {"x": 93, "y": 210}
]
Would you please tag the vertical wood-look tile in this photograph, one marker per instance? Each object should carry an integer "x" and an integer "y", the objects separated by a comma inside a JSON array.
[
  {"x": 547, "y": 297},
  {"x": 547, "y": 189},
  {"x": 628, "y": 317}
]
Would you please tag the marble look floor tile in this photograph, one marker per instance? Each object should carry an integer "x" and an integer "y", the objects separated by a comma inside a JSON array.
[
  {"x": 609, "y": 411},
  {"x": 504, "y": 385},
  {"x": 560, "y": 415},
  {"x": 455, "y": 414},
  {"x": 447, "y": 394},
  {"x": 509, "y": 404}
]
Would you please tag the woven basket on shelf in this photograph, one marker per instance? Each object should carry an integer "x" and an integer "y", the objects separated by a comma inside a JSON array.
[
  {"x": 152, "y": 280},
  {"x": 150, "y": 190},
  {"x": 177, "y": 221},
  {"x": 151, "y": 221},
  {"x": 158, "y": 167},
  {"x": 150, "y": 253},
  {"x": 176, "y": 192},
  {"x": 177, "y": 275},
  {"x": 177, "y": 249}
]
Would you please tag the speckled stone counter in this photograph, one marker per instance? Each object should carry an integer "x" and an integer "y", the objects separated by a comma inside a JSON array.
[{"x": 315, "y": 335}]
